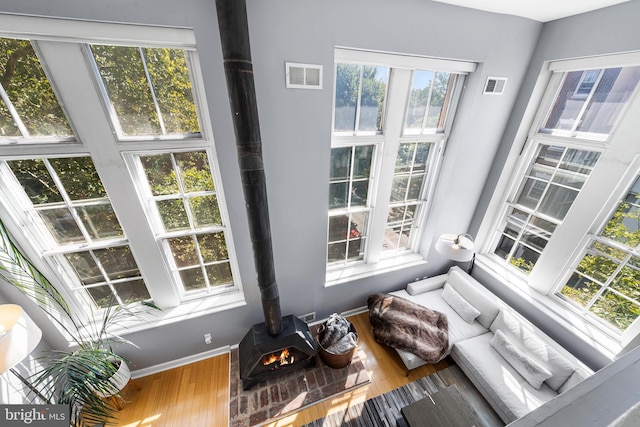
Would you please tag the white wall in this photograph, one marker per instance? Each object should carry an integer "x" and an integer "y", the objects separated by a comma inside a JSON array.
[{"x": 296, "y": 127}]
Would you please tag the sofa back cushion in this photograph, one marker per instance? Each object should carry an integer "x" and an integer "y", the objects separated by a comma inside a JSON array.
[
  {"x": 523, "y": 335},
  {"x": 471, "y": 290},
  {"x": 461, "y": 306}
]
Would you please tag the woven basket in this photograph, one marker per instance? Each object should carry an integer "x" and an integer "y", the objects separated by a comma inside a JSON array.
[{"x": 334, "y": 360}]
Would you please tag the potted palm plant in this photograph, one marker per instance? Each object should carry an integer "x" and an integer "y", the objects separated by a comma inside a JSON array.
[{"x": 84, "y": 375}]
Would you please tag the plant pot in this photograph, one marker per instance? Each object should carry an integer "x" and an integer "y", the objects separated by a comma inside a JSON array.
[
  {"x": 118, "y": 381},
  {"x": 334, "y": 360}
]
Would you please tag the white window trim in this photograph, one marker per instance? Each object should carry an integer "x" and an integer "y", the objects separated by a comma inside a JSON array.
[
  {"x": 52, "y": 31},
  {"x": 400, "y": 75},
  {"x": 542, "y": 294},
  {"x": 82, "y": 31}
]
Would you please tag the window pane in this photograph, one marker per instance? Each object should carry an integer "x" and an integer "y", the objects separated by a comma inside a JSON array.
[
  {"x": 346, "y": 236},
  {"x": 359, "y": 192},
  {"x": 35, "y": 180},
  {"x": 591, "y": 101},
  {"x": 374, "y": 87},
  {"x": 62, "y": 226},
  {"x": 192, "y": 279},
  {"x": 132, "y": 291},
  {"x": 79, "y": 178},
  {"x": 340, "y": 163},
  {"x": 399, "y": 223},
  {"x": 101, "y": 295},
  {"x": 100, "y": 221},
  {"x": 624, "y": 225},
  {"x": 117, "y": 262},
  {"x": 615, "y": 309},
  {"x": 195, "y": 173},
  {"x": 149, "y": 88},
  {"x": 419, "y": 99},
  {"x": 610, "y": 97},
  {"x": 362, "y": 161},
  {"x": 347, "y": 93},
  {"x": 184, "y": 251},
  {"x": 173, "y": 214},
  {"x": 213, "y": 247},
  {"x": 338, "y": 195},
  {"x": 219, "y": 274},
  {"x": 567, "y": 106},
  {"x": 160, "y": 174},
  {"x": 346, "y": 192},
  {"x": 439, "y": 98},
  {"x": 85, "y": 267},
  {"x": 430, "y": 92},
  {"x": 557, "y": 201},
  {"x": 205, "y": 211},
  {"x": 37, "y": 111},
  {"x": 360, "y": 97},
  {"x": 580, "y": 289}
]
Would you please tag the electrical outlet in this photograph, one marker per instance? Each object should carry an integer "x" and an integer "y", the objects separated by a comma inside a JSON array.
[{"x": 207, "y": 338}]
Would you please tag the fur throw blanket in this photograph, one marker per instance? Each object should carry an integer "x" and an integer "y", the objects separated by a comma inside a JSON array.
[{"x": 405, "y": 325}]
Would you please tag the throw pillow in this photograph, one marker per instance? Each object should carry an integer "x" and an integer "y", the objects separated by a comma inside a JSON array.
[
  {"x": 528, "y": 368},
  {"x": 461, "y": 306},
  {"x": 519, "y": 332}
]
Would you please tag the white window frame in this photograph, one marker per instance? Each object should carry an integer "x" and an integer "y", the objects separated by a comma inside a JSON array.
[
  {"x": 386, "y": 143},
  {"x": 609, "y": 182},
  {"x": 60, "y": 47}
]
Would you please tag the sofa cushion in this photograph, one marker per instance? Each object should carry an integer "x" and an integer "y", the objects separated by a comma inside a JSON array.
[
  {"x": 461, "y": 306},
  {"x": 528, "y": 368},
  {"x": 524, "y": 336},
  {"x": 509, "y": 394},
  {"x": 470, "y": 290},
  {"x": 426, "y": 285}
]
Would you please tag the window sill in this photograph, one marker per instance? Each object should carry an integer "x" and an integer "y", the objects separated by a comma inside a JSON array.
[
  {"x": 361, "y": 271},
  {"x": 592, "y": 334},
  {"x": 185, "y": 311}
]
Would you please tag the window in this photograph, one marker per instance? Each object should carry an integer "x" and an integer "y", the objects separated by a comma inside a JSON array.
[
  {"x": 547, "y": 191},
  {"x": 606, "y": 281},
  {"x": 117, "y": 194},
  {"x": 390, "y": 122},
  {"x": 553, "y": 230}
]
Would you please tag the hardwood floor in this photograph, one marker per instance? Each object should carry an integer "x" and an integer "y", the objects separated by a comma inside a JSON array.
[{"x": 197, "y": 395}]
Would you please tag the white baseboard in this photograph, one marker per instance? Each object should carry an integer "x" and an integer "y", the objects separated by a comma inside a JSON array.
[
  {"x": 354, "y": 311},
  {"x": 179, "y": 362}
]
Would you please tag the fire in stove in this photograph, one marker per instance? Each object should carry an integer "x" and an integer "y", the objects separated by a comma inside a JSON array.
[
  {"x": 263, "y": 355},
  {"x": 278, "y": 359}
]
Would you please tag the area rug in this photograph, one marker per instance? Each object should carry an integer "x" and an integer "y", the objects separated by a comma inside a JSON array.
[
  {"x": 279, "y": 396},
  {"x": 384, "y": 410}
]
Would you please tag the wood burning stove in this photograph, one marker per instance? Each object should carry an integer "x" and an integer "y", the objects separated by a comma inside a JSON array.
[
  {"x": 276, "y": 334},
  {"x": 262, "y": 355}
]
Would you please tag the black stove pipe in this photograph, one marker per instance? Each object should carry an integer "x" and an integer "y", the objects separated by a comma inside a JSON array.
[{"x": 236, "y": 52}]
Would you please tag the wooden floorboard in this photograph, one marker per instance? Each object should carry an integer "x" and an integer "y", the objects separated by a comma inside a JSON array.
[{"x": 197, "y": 394}]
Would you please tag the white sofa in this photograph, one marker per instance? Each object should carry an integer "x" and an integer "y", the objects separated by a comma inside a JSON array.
[{"x": 512, "y": 363}]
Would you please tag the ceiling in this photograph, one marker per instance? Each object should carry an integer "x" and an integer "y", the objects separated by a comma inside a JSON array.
[{"x": 538, "y": 10}]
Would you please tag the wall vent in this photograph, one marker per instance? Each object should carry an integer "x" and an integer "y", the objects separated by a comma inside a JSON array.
[
  {"x": 303, "y": 76},
  {"x": 495, "y": 86},
  {"x": 309, "y": 317}
]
